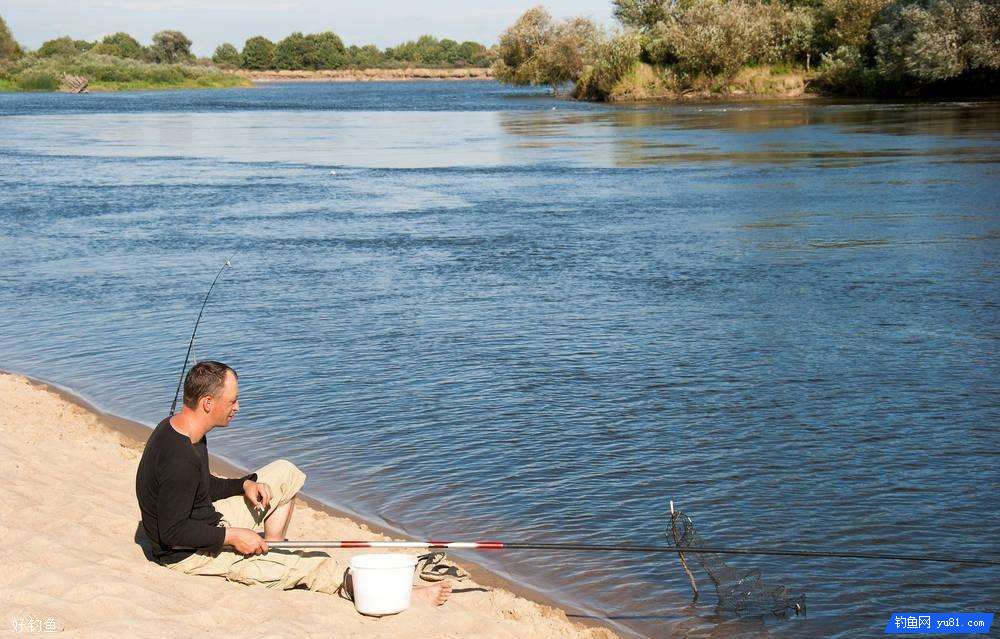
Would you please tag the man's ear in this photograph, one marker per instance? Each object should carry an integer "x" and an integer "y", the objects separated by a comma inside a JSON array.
[{"x": 206, "y": 403}]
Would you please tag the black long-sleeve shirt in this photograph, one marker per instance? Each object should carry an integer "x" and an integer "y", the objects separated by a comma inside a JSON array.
[{"x": 175, "y": 492}]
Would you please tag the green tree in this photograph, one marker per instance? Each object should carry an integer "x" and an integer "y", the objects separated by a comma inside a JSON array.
[
  {"x": 121, "y": 45},
  {"x": 367, "y": 57},
  {"x": 258, "y": 54},
  {"x": 170, "y": 47},
  {"x": 846, "y": 23},
  {"x": 326, "y": 51},
  {"x": 448, "y": 51},
  {"x": 226, "y": 55},
  {"x": 292, "y": 51},
  {"x": 536, "y": 50},
  {"x": 65, "y": 46},
  {"x": 9, "y": 48},
  {"x": 472, "y": 53}
]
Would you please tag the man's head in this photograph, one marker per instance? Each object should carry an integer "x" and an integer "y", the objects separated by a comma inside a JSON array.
[{"x": 212, "y": 392}]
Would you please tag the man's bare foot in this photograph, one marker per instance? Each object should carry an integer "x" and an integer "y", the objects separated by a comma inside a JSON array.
[{"x": 434, "y": 594}]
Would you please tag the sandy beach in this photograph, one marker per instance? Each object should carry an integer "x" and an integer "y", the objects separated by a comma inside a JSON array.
[{"x": 72, "y": 563}]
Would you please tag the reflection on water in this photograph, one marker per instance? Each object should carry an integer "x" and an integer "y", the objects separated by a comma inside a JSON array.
[{"x": 468, "y": 311}]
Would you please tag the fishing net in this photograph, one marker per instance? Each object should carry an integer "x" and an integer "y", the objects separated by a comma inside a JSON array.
[{"x": 741, "y": 592}]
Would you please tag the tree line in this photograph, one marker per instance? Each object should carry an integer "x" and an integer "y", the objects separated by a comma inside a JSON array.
[
  {"x": 858, "y": 47},
  {"x": 327, "y": 51},
  {"x": 323, "y": 50}
]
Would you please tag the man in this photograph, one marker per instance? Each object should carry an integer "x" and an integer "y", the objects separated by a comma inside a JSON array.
[{"x": 201, "y": 524}]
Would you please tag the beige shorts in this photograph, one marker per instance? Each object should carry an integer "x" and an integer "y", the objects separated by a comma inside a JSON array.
[{"x": 277, "y": 569}]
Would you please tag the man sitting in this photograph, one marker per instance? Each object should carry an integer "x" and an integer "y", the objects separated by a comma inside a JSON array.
[{"x": 201, "y": 524}]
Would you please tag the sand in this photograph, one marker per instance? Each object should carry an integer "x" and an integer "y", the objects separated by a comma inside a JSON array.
[{"x": 69, "y": 560}]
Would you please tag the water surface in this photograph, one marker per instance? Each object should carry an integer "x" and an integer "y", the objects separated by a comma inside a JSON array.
[{"x": 475, "y": 312}]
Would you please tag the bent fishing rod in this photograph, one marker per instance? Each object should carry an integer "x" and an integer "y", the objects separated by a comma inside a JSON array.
[
  {"x": 499, "y": 545},
  {"x": 680, "y": 550},
  {"x": 180, "y": 381}
]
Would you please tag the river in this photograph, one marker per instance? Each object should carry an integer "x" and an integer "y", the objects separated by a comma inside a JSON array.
[{"x": 470, "y": 311}]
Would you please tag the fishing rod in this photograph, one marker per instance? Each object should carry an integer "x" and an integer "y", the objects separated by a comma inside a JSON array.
[
  {"x": 674, "y": 548},
  {"x": 180, "y": 381},
  {"x": 499, "y": 545}
]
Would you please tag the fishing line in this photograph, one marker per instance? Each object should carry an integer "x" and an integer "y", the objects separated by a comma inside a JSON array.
[{"x": 180, "y": 381}]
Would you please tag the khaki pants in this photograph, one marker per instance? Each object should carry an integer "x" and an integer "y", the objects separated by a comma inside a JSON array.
[{"x": 277, "y": 569}]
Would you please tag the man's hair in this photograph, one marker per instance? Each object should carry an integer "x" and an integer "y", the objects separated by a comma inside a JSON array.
[{"x": 204, "y": 378}]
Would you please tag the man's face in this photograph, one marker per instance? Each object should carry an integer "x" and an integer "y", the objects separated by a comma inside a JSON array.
[{"x": 224, "y": 406}]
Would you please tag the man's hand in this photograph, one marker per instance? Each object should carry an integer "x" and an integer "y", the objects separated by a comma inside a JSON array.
[
  {"x": 245, "y": 541},
  {"x": 258, "y": 494}
]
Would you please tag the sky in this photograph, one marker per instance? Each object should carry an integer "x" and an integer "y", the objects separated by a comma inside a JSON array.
[{"x": 209, "y": 23}]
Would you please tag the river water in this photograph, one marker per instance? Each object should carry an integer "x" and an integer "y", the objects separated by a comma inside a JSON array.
[{"x": 469, "y": 311}]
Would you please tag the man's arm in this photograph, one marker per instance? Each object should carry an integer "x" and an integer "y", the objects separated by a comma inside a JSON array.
[
  {"x": 219, "y": 488},
  {"x": 178, "y": 485}
]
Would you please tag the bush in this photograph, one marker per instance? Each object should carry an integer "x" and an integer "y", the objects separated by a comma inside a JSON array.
[
  {"x": 170, "y": 47},
  {"x": 614, "y": 59},
  {"x": 844, "y": 72},
  {"x": 790, "y": 34},
  {"x": 258, "y": 54},
  {"x": 920, "y": 47},
  {"x": 226, "y": 55},
  {"x": 37, "y": 81},
  {"x": 933, "y": 40},
  {"x": 712, "y": 37}
]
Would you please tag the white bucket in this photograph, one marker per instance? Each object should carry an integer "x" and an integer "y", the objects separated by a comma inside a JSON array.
[{"x": 383, "y": 583}]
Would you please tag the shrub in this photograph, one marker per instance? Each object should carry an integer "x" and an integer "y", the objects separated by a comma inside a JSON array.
[
  {"x": 933, "y": 40},
  {"x": 614, "y": 59},
  {"x": 32, "y": 80},
  {"x": 657, "y": 47},
  {"x": 258, "y": 53},
  {"x": 844, "y": 72},
  {"x": 712, "y": 37},
  {"x": 226, "y": 55},
  {"x": 791, "y": 32}
]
